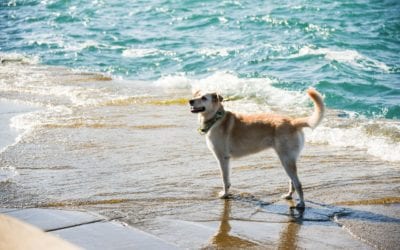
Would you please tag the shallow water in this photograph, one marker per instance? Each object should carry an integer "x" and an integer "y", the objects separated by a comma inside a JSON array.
[
  {"x": 132, "y": 152},
  {"x": 123, "y": 142}
]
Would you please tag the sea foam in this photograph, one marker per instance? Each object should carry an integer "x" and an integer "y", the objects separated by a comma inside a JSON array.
[
  {"x": 144, "y": 52},
  {"x": 258, "y": 90},
  {"x": 7, "y": 173},
  {"x": 350, "y": 57},
  {"x": 260, "y": 95},
  {"x": 18, "y": 58},
  {"x": 214, "y": 52},
  {"x": 356, "y": 137}
]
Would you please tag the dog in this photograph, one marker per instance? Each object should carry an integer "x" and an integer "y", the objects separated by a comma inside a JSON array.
[{"x": 231, "y": 135}]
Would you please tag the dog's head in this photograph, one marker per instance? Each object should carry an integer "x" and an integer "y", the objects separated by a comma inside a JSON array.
[{"x": 204, "y": 103}]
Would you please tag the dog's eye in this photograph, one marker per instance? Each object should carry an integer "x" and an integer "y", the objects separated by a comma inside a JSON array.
[{"x": 204, "y": 98}]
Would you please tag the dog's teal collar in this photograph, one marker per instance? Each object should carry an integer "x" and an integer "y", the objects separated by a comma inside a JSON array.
[{"x": 206, "y": 126}]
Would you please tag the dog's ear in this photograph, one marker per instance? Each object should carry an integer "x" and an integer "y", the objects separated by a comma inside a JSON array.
[
  {"x": 217, "y": 98},
  {"x": 196, "y": 92}
]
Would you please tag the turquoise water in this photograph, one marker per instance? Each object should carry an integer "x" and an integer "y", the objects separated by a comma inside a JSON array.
[
  {"x": 127, "y": 146},
  {"x": 349, "y": 50}
]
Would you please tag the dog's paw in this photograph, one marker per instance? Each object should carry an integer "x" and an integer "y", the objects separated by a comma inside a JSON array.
[
  {"x": 301, "y": 205},
  {"x": 223, "y": 195},
  {"x": 287, "y": 197}
]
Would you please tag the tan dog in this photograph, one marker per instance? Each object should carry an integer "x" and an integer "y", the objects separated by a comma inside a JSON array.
[{"x": 234, "y": 135}]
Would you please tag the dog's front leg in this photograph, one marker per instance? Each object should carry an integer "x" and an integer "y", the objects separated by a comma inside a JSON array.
[
  {"x": 219, "y": 149},
  {"x": 225, "y": 173}
]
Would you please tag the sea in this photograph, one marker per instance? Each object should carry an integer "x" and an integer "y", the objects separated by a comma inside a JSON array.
[{"x": 94, "y": 113}]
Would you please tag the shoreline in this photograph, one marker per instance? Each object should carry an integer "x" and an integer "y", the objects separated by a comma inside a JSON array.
[
  {"x": 8, "y": 110},
  {"x": 8, "y": 134}
]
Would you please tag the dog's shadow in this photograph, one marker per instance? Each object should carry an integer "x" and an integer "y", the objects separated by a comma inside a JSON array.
[
  {"x": 288, "y": 237},
  {"x": 314, "y": 211}
]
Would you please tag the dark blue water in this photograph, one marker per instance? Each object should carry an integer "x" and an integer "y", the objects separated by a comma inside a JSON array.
[{"x": 349, "y": 50}]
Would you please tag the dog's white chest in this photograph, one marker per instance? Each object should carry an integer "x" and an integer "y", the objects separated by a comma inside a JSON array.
[{"x": 217, "y": 144}]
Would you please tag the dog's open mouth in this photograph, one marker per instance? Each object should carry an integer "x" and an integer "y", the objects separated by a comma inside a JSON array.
[{"x": 197, "y": 110}]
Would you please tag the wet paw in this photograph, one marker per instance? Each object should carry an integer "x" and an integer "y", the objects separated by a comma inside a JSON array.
[
  {"x": 287, "y": 197},
  {"x": 301, "y": 205},
  {"x": 223, "y": 195}
]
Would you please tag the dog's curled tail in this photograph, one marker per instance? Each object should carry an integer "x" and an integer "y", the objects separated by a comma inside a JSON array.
[{"x": 319, "y": 109}]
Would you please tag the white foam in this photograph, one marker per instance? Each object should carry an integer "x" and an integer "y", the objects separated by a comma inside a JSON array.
[
  {"x": 7, "y": 173},
  {"x": 140, "y": 52},
  {"x": 271, "y": 20},
  {"x": 50, "y": 86},
  {"x": 18, "y": 58},
  {"x": 214, "y": 52},
  {"x": 312, "y": 28},
  {"x": 26, "y": 123},
  {"x": 350, "y": 57},
  {"x": 376, "y": 145},
  {"x": 259, "y": 95},
  {"x": 44, "y": 92},
  {"x": 231, "y": 86},
  {"x": 323, "y": 31},
  {"x": 174, "y": 82},
  {"x": 222, "y": 19},
  {"x": 81, "y": 46},
  {"x": 8, "y": 110}
]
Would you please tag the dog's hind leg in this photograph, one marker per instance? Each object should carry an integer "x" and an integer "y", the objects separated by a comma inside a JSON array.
[
  {"x": 289, "y": 164},
  {"x": 291, "y": 170}
]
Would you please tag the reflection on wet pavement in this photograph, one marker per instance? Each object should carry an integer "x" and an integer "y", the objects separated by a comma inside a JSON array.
[{"x": 223, "y": 239}]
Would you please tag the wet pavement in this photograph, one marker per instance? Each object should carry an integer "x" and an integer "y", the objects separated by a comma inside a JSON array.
[{"x": 83, "y": 229}]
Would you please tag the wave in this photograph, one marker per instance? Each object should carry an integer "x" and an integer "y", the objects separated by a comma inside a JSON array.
[
  {"x": 7, "y": 174},
  {"x": 49, "y": 86},
  {"x": 350, "y": 57},
  {"x": 212, "y": 52},
  {"x": 15, "y": 58},
  {"x": 378, "y": 137},
  {"x": 258, "y": 90},
  {"x": 54, "y": 92},
  {"x": 27, "y": 122},
  {"x": 291, "y": 23},
  {"x": 371, "y": 139},
  {"x": 60, "y": 91},
  {"x": 138, "y": 52}
]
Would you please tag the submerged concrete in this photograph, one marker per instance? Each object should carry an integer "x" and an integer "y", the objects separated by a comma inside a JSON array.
[
  {"x": 245, "y": 222},
  {"x": 263, "y": 226},
  {"x": 82, "y": 229}
]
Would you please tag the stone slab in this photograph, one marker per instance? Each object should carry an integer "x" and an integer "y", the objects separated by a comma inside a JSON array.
[
  {"x": 185, "y": 234},
  {"x": 6, "y": 210},
  {"x": 54, "y": 219},
  {"x": 111, "y": 235},
  {"x": 17, "y": 235}
]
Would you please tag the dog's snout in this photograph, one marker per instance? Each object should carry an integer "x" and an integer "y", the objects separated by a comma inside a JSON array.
[{"x": 191, "y": 102}]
